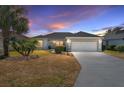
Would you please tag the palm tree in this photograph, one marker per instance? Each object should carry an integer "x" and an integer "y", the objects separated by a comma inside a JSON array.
[{"x": 12, "y": 18}]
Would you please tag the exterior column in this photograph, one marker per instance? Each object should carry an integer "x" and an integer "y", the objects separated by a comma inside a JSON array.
[
  {"x": 100, "y": 45},
  {"x": 45, "y": 43}
]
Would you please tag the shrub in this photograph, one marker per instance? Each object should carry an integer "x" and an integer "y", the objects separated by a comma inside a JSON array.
[
  {"x": 120, "y": 48},
  {"x": 2, "y": 57},
  {"x": 59, "y": 49},
  {"x": 24, "y": 47},
  {"x": 49, "y": 47},
  {"x": 103, "y": 47},
  {"x": 111, "y": 47}
]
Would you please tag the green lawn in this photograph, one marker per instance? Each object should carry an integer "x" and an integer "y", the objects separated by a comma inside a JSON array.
[
  {"x": 36, "y": 52},
  {"x": 115, "y": 53}
]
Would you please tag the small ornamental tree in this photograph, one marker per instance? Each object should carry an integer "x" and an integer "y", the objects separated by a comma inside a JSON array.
[{"x": 24, "y": 47}]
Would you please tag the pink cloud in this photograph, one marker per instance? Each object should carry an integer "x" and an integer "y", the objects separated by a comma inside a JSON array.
[
  {"x": 57, "y": 26},
  {"x": 30, "y": 23}
]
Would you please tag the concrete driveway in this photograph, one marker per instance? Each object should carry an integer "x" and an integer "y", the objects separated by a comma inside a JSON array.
[{"x": 99, "y": 70}]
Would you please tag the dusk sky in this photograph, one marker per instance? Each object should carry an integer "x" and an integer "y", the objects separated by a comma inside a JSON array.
[{"x": 46, "y": 19}]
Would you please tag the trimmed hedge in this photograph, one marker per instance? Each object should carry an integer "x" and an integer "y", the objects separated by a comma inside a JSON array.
[
  {"x": 49, "y": 47},
  {"x": 59, "y": 49},
  {"x": 111, "y": 47},
  {"x": 2, "y": 57},
  {"x": 120, "y": 48}
]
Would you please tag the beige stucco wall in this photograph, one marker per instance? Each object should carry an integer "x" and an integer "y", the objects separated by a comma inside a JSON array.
[
  {"x": 44, "y": 44},
  {"x": 84, "y": 40}
]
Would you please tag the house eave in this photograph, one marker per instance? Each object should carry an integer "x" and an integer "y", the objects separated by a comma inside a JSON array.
[{"x": 84, "y": 37}]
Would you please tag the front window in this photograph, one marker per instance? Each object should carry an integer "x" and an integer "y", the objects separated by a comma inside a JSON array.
[
  {"x": 58, "y": 43},
  {"x": 40, "y": 43}
]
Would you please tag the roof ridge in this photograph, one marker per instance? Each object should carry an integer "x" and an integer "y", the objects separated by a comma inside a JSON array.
[
  {"x": 61, "y": 32},
  {"x": 57, "y": 32},
  {"x": 86, "y": 33}
]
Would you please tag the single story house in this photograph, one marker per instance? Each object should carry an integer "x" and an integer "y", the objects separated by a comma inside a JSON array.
[
  {"x": 80, "y": 41},
  {"x": 114, "y": 38}
]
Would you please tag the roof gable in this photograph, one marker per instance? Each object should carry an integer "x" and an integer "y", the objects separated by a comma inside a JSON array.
[{"x": 84, "y": 34}]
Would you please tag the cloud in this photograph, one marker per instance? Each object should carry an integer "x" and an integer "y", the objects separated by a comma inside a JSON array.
[
  {"x": 60, "y": 15},
  {"x": 100, "y": 33},
  {"x": 78, "y": 13},
  {"x": 103, "y": 29},
  {"x": 56, "y": 26},
  {"x": 30, "y": 23},
  {"x": 54, "y": 18},
  {"x": 108, "y": 27}
]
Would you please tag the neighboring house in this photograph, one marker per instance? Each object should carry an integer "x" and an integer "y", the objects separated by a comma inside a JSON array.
[
  {"x": 80, "y": 41},
  {"x": 11, "y": 35},
  {"x": 114, "y": 38}
]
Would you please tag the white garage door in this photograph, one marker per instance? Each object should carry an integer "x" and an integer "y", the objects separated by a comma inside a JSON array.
[{"x": 84, "y": 46}]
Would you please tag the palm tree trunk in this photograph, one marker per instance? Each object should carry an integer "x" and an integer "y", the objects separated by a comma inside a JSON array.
[{"x": 5, "y": 34}]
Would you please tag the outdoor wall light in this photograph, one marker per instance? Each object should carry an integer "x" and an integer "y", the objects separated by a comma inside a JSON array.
[
  {"x": 100, "y": 41},
  {"x": 68, "y": 41}
]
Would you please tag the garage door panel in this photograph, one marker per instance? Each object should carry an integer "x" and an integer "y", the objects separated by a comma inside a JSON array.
[{"x": 84, "y": 46}]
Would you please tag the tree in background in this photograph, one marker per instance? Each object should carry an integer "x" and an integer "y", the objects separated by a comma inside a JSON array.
[
  {"x": 117, "y": 29},
  {"x": 12, "y": 18}
]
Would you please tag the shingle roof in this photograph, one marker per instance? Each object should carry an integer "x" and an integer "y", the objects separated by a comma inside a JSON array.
[
  {"x": 84, "y": 34},
  {"x": 55, "y": 35},
  {"x": 40, "y": 36},
  {"x": 59, "y": 35},
  {"x": 62, "y": 35}
]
